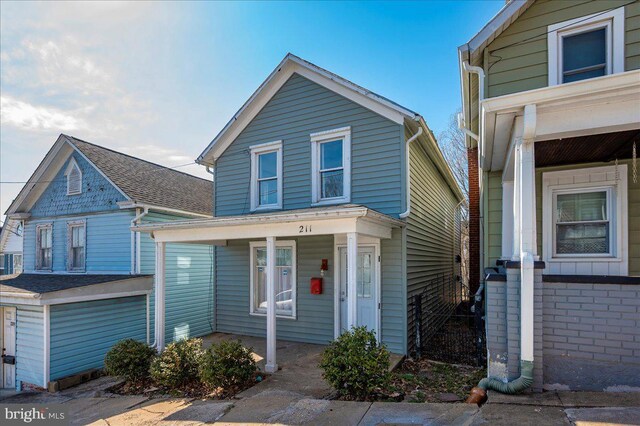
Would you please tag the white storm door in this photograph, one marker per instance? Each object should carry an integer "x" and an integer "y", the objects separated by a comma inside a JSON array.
[
  {"x": 9, "y": 346},
  {"x": 366, "y": 282}
]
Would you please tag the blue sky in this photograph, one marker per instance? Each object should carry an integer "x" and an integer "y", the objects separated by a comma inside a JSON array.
[{"x": 159, "y": 80}]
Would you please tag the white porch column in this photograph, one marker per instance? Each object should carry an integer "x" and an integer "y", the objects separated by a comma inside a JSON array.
[
  {"x": 507, "y": 219},
  {"x": 271, "y": 366},
  {"x": 352, "y": 273},
  {"x": 527, "y": 200},
  {"x": 159, "y": 295},
  {"x": 515, "y": 246}
]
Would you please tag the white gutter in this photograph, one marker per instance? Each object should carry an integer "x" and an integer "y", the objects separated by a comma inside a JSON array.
[
  {"x": 480, "y": 73},
  {"x": 135, "y": 241},
  {"x": 408, "y": 170},
  {"x": 133, "y": 204}
]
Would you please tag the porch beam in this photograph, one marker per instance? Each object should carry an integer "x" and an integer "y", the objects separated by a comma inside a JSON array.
[
  {"x": 271, "y": 365},
  {"x": 159, "y": 290},
  {"x": 352, "y": 270}
]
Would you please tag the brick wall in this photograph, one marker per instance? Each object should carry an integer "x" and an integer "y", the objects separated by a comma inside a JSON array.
[
  {"x": 591, "y": 336},
  {"x": 474, "y": 219},
  {"x": 586, "y": 336}
]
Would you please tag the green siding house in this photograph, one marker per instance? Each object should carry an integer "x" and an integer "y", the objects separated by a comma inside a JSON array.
[
  {"x": 87, "y": 278},
  {"x": 318, "y": 179},
  {"x": 551, "y": 109}
]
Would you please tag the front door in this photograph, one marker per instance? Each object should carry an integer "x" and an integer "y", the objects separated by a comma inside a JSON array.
[
  {"x": 366, "y": 285},
  {"x": 8, "y": 346}
]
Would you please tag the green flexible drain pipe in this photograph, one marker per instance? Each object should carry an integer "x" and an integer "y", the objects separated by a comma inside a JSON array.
[{"x": 515, "y": 386}]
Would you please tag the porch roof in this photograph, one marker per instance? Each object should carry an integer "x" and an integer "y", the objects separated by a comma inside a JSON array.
[
  {"x": 52, "y": 289},
  {"x": 302, "y": 222},
  {"x": 599, "y": 105}
]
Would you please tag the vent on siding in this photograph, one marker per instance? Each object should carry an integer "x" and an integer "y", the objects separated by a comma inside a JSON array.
[{"x": 74, "y": 178}]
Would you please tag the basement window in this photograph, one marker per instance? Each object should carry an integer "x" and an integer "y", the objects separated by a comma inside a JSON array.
[{"x": 586, "y": 47}]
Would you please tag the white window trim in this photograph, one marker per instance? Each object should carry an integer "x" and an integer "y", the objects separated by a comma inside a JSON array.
[
  {"x": 73, "y": 224},
  {"x": 256, "y": 150},
  {"x": 317, "y": 139},
  {"x": 612, "y": 20},
  {"x": 73, "y": 164},
  {"x": 618, "y": 211},
  {"x": 262, "y": 244},
  {"x": 39, "y": 227}
]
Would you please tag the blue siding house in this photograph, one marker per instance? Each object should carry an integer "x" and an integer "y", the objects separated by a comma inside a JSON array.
[
  {"x": 333, "y": 207},
  {"x": 87, "y": 278}
]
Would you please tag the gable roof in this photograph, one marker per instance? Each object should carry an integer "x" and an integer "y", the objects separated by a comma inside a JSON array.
[
  {"x": 288, "y": 66},
  {"x": 139, "y": 181},
  {"x": 492, "y": 29}
]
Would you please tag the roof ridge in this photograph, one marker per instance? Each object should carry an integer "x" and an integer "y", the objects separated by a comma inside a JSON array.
[{"x": 136, "y": 158}]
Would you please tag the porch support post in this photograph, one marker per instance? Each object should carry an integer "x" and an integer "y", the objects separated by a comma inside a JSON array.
[
  {"x": 515, "y": 246},
  {"x": 352, "y": 269},
  {"x": 160, "y": 295},
  {"x": 271, "y": 366},
  {"x": 507, "y": 219}
]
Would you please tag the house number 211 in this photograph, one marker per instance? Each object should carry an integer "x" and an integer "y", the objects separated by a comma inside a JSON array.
[{"x": 303, "y": 229}]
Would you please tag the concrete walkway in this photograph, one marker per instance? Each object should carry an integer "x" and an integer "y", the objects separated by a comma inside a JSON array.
[{"x": 296, "y": 395}]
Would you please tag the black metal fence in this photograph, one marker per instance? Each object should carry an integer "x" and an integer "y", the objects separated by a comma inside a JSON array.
[{"x": 448, "y": 323}]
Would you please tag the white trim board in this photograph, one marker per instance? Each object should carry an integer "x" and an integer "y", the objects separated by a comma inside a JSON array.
[{"x": 292, "y": 64}]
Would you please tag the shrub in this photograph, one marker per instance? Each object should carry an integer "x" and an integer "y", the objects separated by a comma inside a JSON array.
[
  {"x": 129, "y": 359},
  {"x": 227, "y": 364},
  {"x": 177, "y": 365},
  {"x": 355, "y": 364}
]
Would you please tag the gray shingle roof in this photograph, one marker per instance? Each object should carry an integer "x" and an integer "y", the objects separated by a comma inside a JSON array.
[
  {"x": 150, "y": 183},
  {"x": 45, "y": 283}
]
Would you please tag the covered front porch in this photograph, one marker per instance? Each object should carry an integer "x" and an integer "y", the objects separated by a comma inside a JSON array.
[
  {"x": 267, "y": 268},
  {"x": 561, "y": 238}
]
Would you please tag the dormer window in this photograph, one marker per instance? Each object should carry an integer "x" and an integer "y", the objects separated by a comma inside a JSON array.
[
  {"x": 586, "y": 47},
  {"x": 74, "y": 178}
]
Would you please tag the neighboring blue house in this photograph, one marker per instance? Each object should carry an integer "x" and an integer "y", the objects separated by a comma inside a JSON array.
[
  {"x": 318, "y": 178},
  {"x": 87, "y": 279}
]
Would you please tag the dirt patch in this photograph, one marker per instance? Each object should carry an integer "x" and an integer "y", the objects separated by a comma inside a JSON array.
[
  {"x": 193, "y": 390},
  {"x": 433, "y": 381}
]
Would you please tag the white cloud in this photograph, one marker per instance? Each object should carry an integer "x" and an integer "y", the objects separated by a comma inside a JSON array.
[{"x": 31, "y": 117}]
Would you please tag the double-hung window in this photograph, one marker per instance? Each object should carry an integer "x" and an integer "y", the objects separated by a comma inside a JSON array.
[
  {"x": 585, "y": 221},
  {"x": 331, "y": 166},
  {"x": 76, "y": 246},
  {"x": 44, "y": 247},
  {"x": 582, "y": 221},
  {"x": 586, "y": 47},
  {"x": 285, "y": 284},
  {"x": 266, "y": 176}
]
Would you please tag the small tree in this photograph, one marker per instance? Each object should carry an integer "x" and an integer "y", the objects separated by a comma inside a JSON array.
[{"x": 355, "y": 364}]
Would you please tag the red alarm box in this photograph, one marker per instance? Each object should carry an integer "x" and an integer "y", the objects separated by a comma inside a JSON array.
[{"x": 316, "y": 285}]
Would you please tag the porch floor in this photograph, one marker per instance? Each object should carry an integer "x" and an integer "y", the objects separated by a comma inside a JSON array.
[
  {"x": 298, "y": 365},
  {"x": 298, "y": 370}
]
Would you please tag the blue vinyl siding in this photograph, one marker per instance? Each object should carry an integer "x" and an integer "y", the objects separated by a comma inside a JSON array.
[
  {"x": 394, "y": 314},
  {"x": 314, "y": 322},
  {"x": 30, "y": 345},
  {"x": 108, "y": 240},
  {"x": 189, "y": 284},
  {"x": 315, "y": 313},
  {"x": 97, "y": 193},
  {"x": 298, "y": 109},
  {"x": 82, "y": 333}
]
